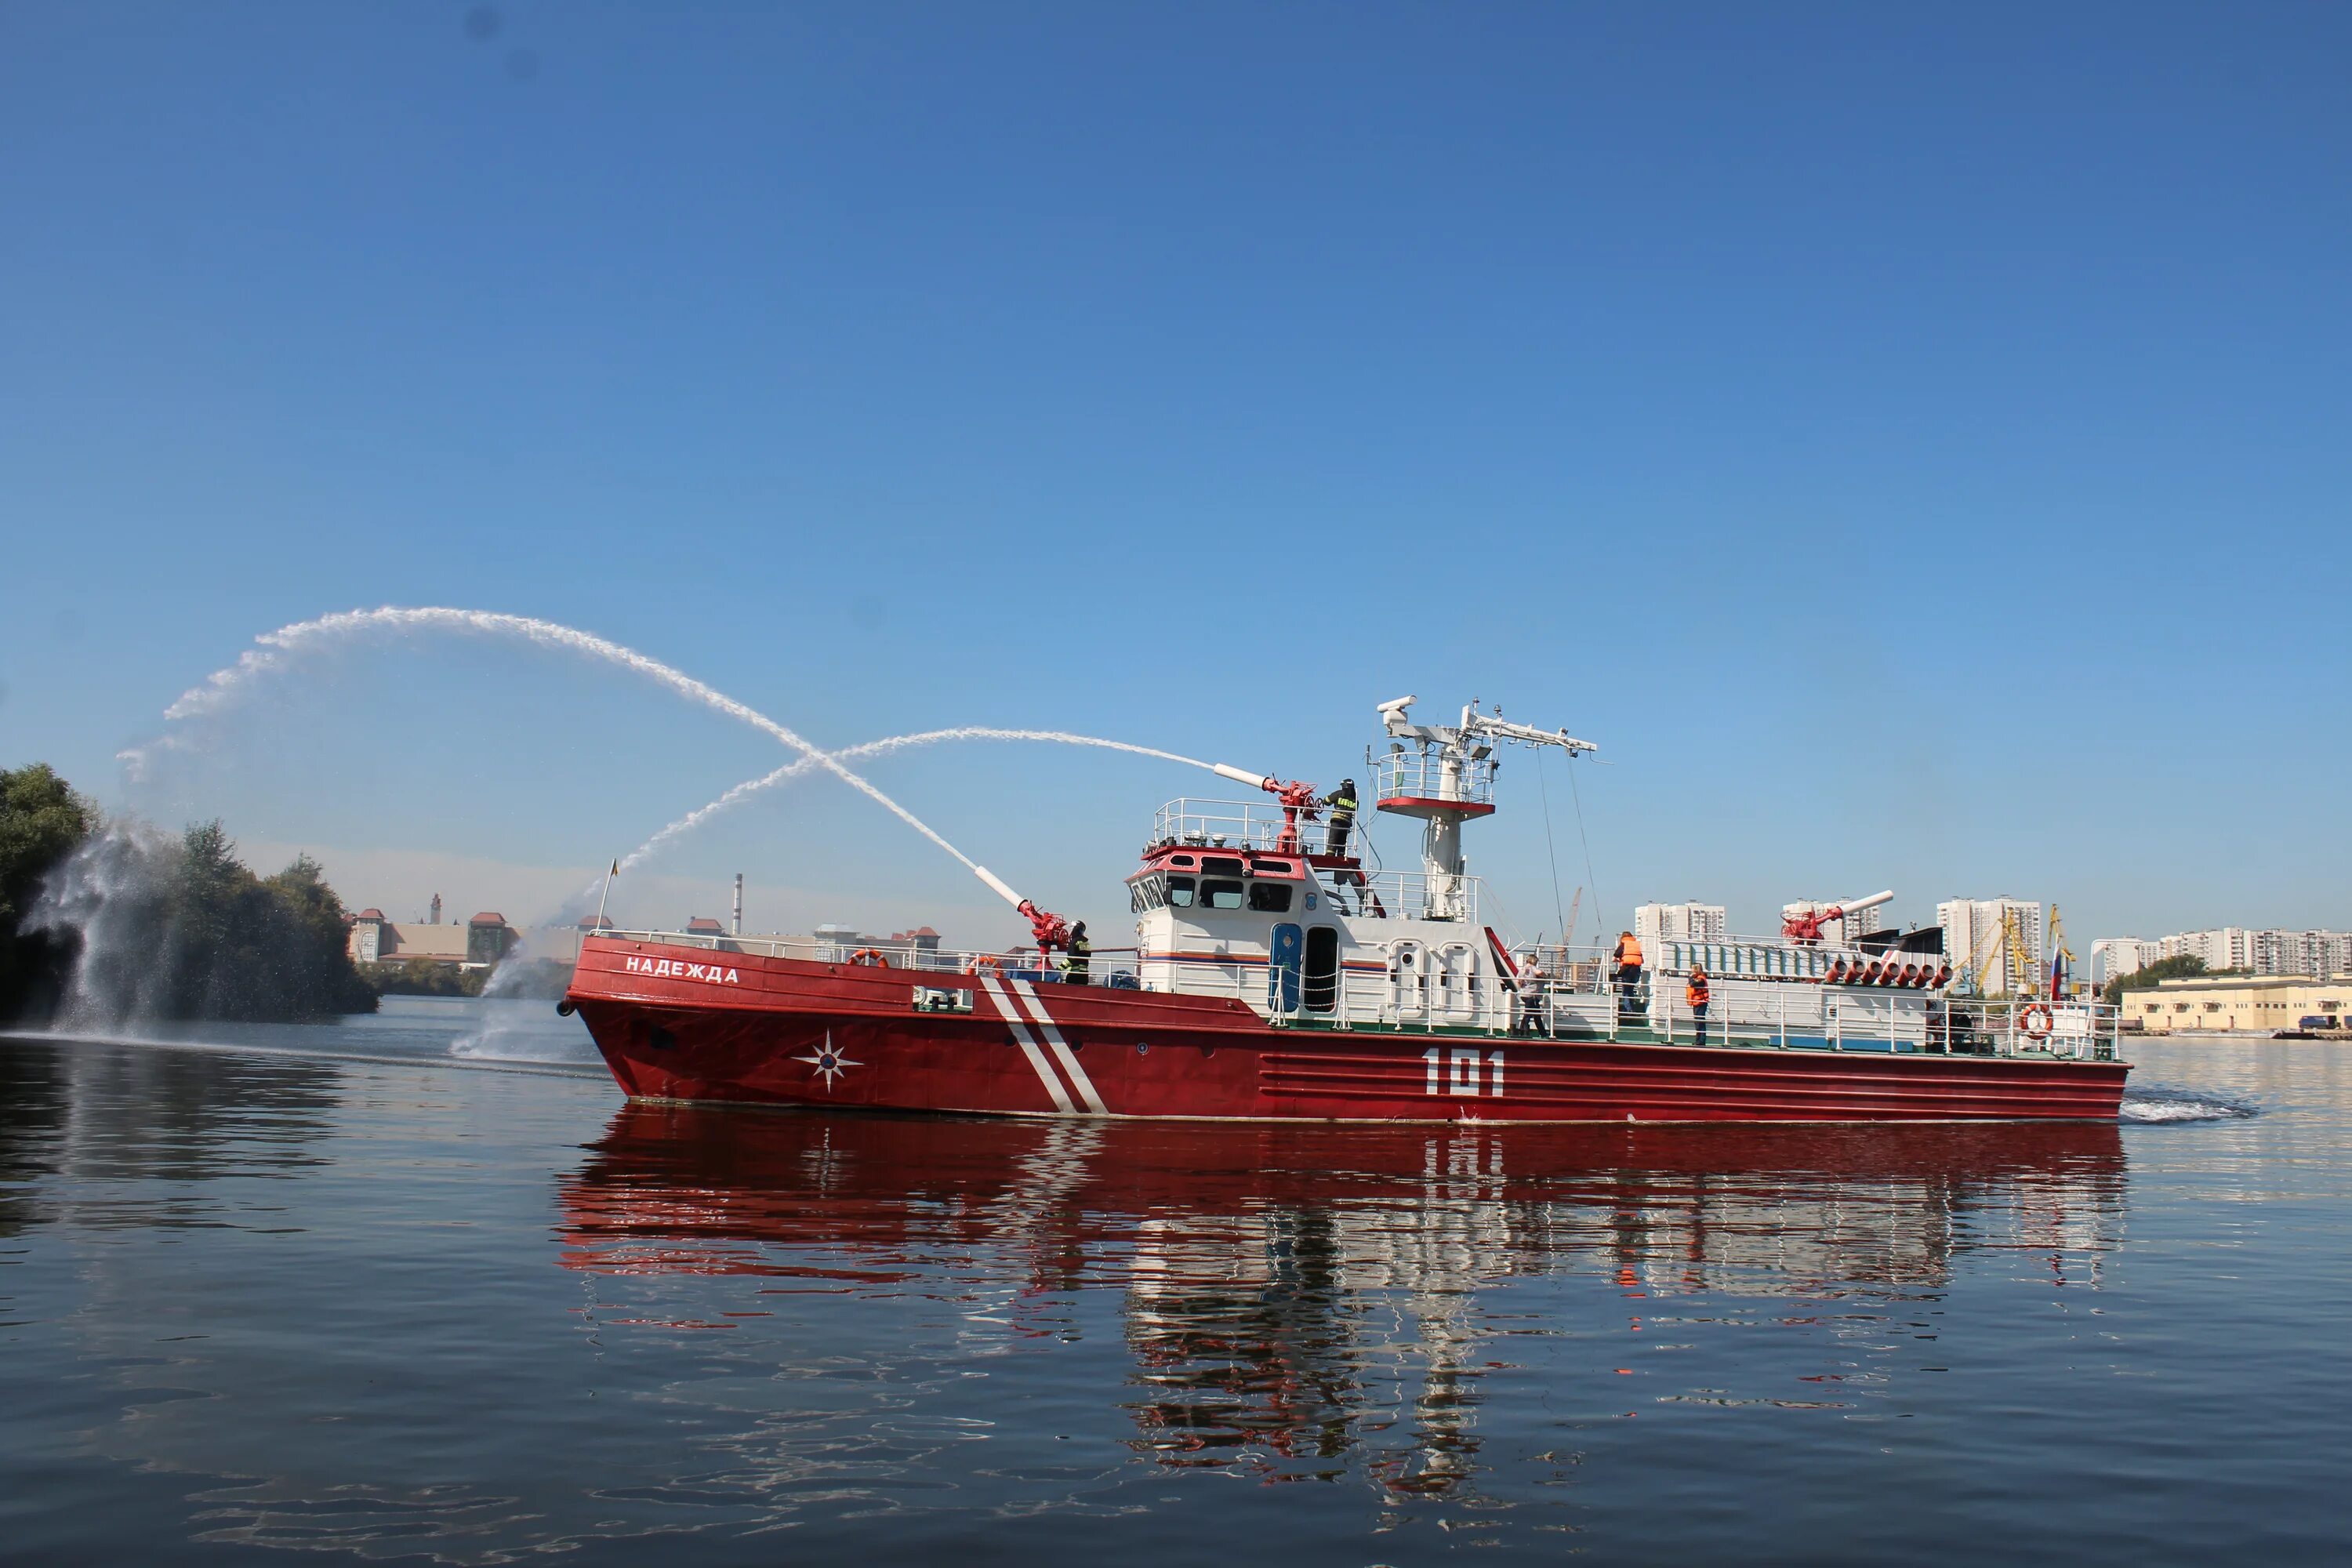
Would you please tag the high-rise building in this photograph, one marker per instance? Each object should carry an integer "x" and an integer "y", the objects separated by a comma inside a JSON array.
[
  {"x": 2269, "y": 952},
  {"x": 2221, "y": 947},
  {"x": 2112, "y": 957},
  {"x": 1679, "y": 922},
  {"x": 1972, "y": 937}
]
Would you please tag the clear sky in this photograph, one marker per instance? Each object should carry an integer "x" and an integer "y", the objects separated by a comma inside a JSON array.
[{"x": 1912, "y": 441}]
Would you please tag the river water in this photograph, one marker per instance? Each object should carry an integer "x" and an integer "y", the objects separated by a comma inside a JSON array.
[{"x": 419, "y": 1287}]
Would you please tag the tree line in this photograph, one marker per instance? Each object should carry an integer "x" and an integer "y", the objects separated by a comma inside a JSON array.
[
  {"x": 139, "y": 924},
  {"x": 2181, "y": 966}
]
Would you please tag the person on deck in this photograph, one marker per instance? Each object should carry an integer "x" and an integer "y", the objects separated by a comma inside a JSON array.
[
  {"x": 1629, "y": 971},
  {"x": 1534, "y": 1012},
  {"x": 1342, "y": 802},
  {"x": 1694, "y": 993},
  {"x": 1077, "y": 964}
]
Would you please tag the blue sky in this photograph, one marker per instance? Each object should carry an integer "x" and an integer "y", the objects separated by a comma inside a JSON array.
[{"x": 1912, "y": 442}]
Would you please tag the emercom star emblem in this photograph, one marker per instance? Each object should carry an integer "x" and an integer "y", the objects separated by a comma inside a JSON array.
[{"x": 830, "y": 1063}]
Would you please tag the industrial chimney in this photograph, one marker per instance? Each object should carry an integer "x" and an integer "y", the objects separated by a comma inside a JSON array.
[{"x": 739, "y": 903}]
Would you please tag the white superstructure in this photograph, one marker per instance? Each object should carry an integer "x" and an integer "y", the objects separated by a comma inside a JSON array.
[{"x": 1246, "y": 899}]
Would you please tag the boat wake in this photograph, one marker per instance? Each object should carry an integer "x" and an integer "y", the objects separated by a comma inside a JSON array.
[
  {"x": 2154, "y": 1104},
  {"x": 549, "y": 1066}
]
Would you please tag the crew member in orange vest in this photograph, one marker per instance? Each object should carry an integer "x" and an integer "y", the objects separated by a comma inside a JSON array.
[
  {"x": 1629, "y": 971},
  {"x": 1694, "y": 993}
]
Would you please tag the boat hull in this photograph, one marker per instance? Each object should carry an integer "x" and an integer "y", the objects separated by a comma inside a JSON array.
[{"x": 676, "y": 1024}]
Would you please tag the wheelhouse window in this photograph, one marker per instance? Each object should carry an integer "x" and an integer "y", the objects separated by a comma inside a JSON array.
[
  {"x": 1274, "y": 898},
  {"x": 1222, "y": 866},
  {"x": 1180, "y": 892},
  {"x": 1219, "y": 893}
]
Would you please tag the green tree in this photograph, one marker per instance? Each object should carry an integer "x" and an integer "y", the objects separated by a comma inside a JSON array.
[
  {"x": 238, "y": 947},
  {"x": 319, "y": 937},
  {"x": 163, "y": 928},
  {"x": 2179, "y": 967},
  {"x": 42, "y": 821}
]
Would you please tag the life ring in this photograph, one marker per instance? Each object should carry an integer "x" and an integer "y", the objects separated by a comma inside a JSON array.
[
  {"x": 985, "y": 961},
  {"x": 2036, "y": 1022},
  {"x": 871, "y": 957}
]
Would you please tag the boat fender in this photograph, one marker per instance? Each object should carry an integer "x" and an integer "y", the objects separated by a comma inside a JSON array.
[
  {"x": 565, "y": 1008},
  {"x": 2035, "y": 1023},
  {"x": 871, "y": 957}
]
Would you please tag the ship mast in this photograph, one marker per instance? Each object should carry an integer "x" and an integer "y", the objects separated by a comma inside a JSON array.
[{"x": 1445, "y": 775}]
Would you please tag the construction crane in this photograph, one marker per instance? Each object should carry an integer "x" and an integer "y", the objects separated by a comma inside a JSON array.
[{"x": 2006, "y": 967}]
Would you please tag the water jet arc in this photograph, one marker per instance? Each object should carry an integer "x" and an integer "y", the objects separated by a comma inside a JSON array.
[{"x": 277, "y": 648}]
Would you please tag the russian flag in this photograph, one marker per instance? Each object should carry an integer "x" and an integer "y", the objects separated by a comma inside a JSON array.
[{"x": 2057, "y": 976}]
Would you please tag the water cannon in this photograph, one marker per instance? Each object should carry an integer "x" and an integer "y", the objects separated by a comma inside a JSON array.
[
  {"x": 1050, "y": 930},
  {"x": 1802, "y": 923},
  {"x": 1297, "y": 798}
]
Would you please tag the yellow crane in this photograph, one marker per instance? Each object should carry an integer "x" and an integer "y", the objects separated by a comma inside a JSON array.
[{"x": 2002, "y": 966}]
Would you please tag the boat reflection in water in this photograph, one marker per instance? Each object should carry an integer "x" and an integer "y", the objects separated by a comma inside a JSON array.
[{"x": 1305, "y": 1300}]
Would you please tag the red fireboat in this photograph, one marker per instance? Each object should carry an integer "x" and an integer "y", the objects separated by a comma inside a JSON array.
[{"x": 1279, "y": 974}]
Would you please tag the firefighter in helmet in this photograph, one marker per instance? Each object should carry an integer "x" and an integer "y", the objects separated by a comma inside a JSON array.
[{"x": 1342, "y": 802}]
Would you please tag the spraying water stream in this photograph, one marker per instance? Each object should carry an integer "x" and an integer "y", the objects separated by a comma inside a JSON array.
[
  {"x": 278, "y": 648},
  {"x": 793, "y": 770}
]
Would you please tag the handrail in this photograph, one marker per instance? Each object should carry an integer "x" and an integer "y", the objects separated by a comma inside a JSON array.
[
  {"x": 1103, "y": 960},
  {"x": 1573, "y": 999}
]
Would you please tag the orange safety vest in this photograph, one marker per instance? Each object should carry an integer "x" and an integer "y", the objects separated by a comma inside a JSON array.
[
  {"x": 1696, "y": 991},
  {"x": 1629, "y": 952}
]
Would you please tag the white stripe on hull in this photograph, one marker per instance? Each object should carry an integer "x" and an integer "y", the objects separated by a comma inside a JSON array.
[
  {"x": 1062, "y": 1052},
  {"x": 1028, "y": 1043}
]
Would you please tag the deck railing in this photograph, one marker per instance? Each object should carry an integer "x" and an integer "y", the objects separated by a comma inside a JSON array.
[
  {"x": 1113, "y": 966},
  {"x": 1568, "y": 991},
  {"x": 1214, "y": 825},
  {"x": 1422, "y": 773}
]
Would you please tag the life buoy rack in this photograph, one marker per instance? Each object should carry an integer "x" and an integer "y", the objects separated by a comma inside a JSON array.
[
  {"x": 871, "y": 957},
  {"x": 2035, "y": 1022},
  {"x": 985, "y": 961}
]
